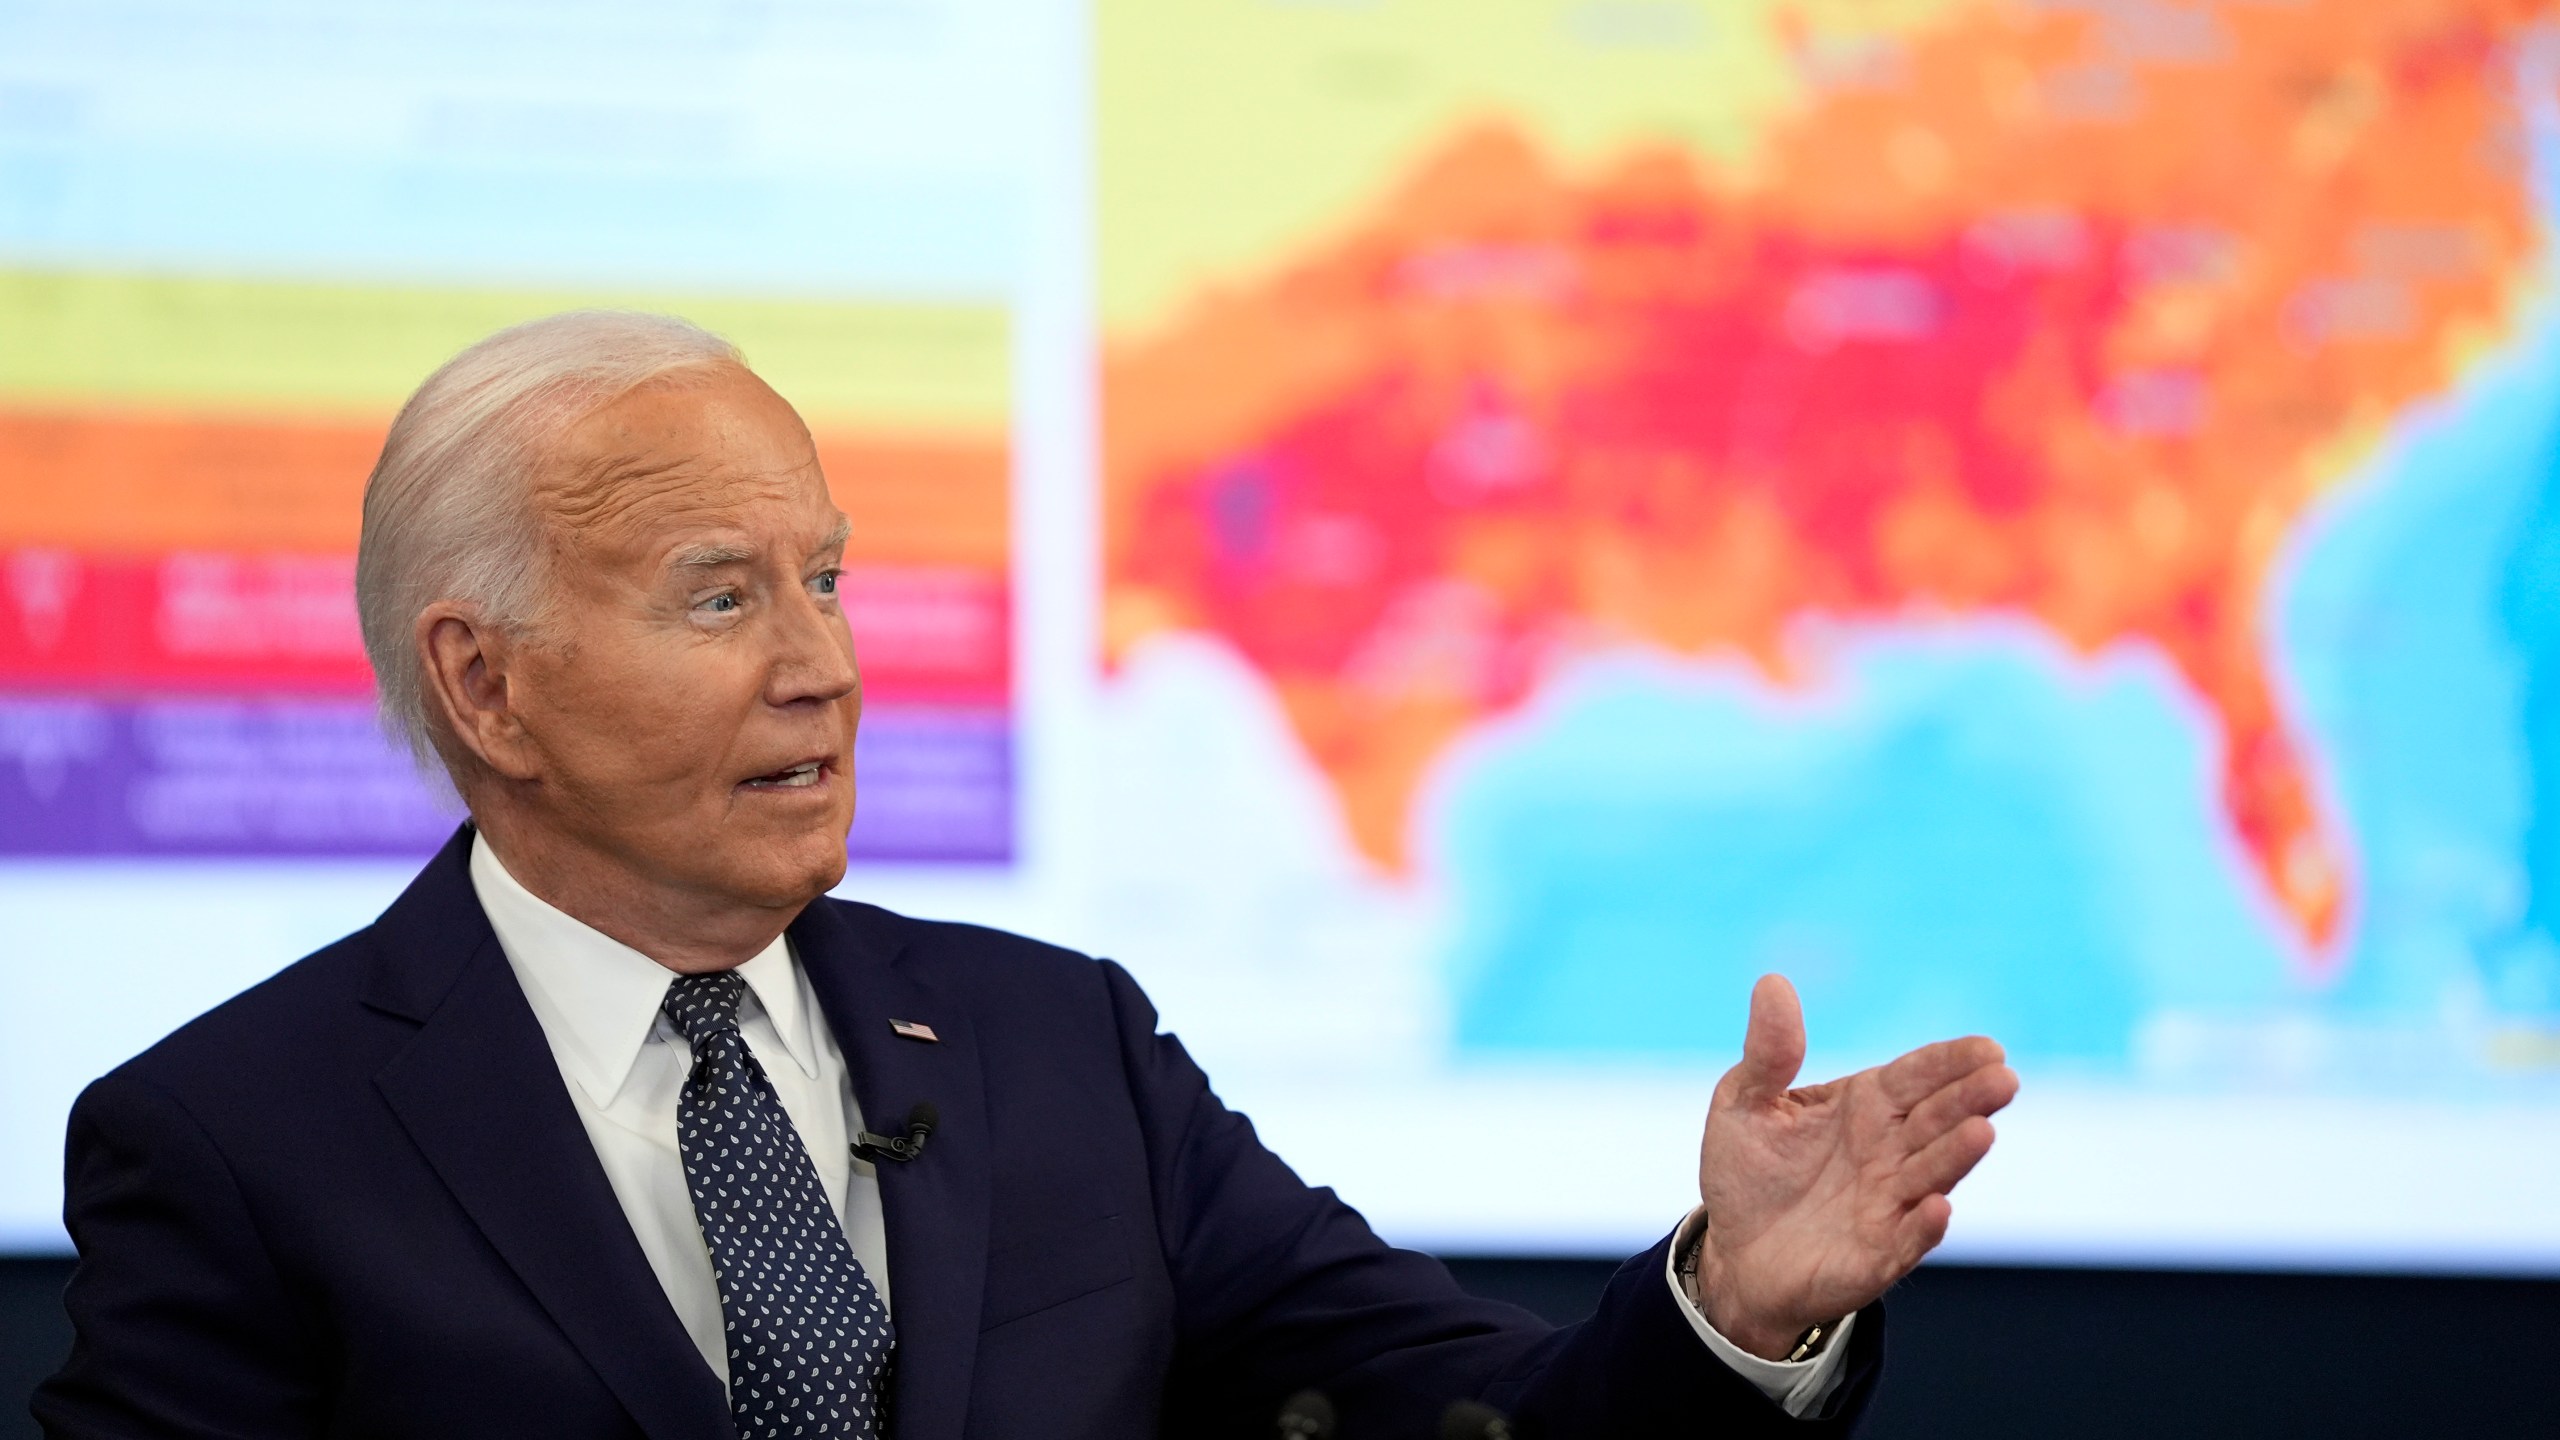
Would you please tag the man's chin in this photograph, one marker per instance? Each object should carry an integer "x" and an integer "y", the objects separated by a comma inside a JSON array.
[
  {"x": 802, "y": 868},
  {"x": 827, "y": 873},
  {"x": 775, "y": 865}
]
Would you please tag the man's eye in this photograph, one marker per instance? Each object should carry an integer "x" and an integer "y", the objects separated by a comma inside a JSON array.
[
  {"x": 826, "y": 583},
  {"x": 721, "y": 604}
]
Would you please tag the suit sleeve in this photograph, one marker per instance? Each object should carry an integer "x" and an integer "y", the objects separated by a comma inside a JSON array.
[
  {"x": 1281, "y": 1286},
  {"x": 181, "y": 1323}
]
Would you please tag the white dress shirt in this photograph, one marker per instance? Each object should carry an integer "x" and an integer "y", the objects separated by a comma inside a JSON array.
[{"x": 625, "y": 1065}]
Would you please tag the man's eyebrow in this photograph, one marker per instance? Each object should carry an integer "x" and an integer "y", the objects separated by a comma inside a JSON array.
[
  {"x": 731, "y": 552},
  {"x": 711, "y": 557}
]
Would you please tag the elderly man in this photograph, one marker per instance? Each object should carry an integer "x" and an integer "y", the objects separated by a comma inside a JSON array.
[{"x": 575, "y": 1139}]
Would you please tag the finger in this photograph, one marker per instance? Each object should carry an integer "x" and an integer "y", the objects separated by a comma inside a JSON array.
[
  {"x": 1984, "y": 1092},
  {"x": 1921, "y": 1228},
  {"x": 1925, "y": 1071},
  {"x": 1935, "y": 1168},
  {"x": 1772, "y": 1043}
]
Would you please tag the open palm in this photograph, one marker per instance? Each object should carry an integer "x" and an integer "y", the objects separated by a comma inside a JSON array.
[{"x": 1821, "y": 1196}]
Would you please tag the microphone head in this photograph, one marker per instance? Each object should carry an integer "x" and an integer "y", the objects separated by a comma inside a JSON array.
[
  {"x": 1306, "y": 1415},
  {"x": 924, "y": 1117},
  {"x": 1473, "y": 1420}
]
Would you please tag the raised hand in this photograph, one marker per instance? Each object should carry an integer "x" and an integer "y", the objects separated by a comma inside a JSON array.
[{"x": 1819, "y": 1197}]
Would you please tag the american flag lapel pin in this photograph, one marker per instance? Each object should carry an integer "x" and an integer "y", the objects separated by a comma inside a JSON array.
[{"x": 915, "y": 1030}]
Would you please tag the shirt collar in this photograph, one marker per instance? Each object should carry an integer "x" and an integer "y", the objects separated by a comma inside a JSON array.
[
  {"x": 597, "y": 998},
  {"x": 775, "y": 979}
]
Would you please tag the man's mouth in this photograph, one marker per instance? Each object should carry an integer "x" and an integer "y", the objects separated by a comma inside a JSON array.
[{"x": 796, "y": 777}]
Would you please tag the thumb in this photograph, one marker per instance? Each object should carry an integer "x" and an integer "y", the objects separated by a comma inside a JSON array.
[{"x": 1773, "y": 1043}]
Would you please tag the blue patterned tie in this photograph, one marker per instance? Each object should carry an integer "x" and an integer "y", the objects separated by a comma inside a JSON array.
[{"x": 809, "y": 1339}]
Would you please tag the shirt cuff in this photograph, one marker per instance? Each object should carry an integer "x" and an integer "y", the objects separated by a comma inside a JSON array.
[{"x": 1798, "y": 1387}]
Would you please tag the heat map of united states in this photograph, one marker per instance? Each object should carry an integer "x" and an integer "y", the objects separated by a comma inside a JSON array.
[{"x": 2064, "y": 312}]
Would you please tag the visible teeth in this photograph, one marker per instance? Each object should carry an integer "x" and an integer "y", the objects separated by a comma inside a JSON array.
[{"x": 797, "y": 775}]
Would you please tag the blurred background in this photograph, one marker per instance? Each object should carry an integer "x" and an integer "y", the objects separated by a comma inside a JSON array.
[{"x": 1449, "y": 536}]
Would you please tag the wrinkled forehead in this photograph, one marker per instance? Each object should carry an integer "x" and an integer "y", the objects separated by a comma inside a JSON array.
[{"x": 708, "y": 446}]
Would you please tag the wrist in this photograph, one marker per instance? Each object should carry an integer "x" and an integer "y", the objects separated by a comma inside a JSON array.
[{"x": 1709, "y": 1282}]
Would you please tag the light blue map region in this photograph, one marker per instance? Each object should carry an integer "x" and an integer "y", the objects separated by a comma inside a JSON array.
[
  {"x": 2420, "y": 633},
  {"x": 1960, "y": 827},
  {"x": 1915, "y": 846}
]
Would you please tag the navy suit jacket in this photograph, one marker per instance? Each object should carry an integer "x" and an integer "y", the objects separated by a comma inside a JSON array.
[{"x": 357, "y": 1200}]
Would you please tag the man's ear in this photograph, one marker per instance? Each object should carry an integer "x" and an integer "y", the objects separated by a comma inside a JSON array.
[{"x": 465, "y": 661}]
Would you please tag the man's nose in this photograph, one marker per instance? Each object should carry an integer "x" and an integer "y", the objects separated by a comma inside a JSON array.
[{"x": 813, "y": 657}]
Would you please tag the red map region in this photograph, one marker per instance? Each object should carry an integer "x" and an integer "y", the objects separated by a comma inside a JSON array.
[{"x": 2042, "y": 313}]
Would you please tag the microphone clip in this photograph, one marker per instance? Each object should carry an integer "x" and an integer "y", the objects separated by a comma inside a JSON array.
[{"x": 881, "y": 1149}]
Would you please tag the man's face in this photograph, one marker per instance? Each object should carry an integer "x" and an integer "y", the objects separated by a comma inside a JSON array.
[{"x": 692, "y": 696}]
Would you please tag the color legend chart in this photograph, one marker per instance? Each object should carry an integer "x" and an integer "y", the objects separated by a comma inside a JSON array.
[{"x": 180, "y": 668}]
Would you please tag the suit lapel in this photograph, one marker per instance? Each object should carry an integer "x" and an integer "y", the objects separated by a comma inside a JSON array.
[
  {"x": 936, "y": 1205},
  {"x": 479, "y": 1093}
]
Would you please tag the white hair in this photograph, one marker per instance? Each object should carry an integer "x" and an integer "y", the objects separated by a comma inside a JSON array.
[{"x": 448, "y": 511}]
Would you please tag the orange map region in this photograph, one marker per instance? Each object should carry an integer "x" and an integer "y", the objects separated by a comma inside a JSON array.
[
  {"x": 120, "y": 482},
  {"x": 2057, "y": 316}
]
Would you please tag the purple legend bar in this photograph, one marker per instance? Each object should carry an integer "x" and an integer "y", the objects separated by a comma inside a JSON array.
[
  {"x": 316, "y": 778},
  {"x": 208, "y": 777},
  {"x": 933, "y": 784}
]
